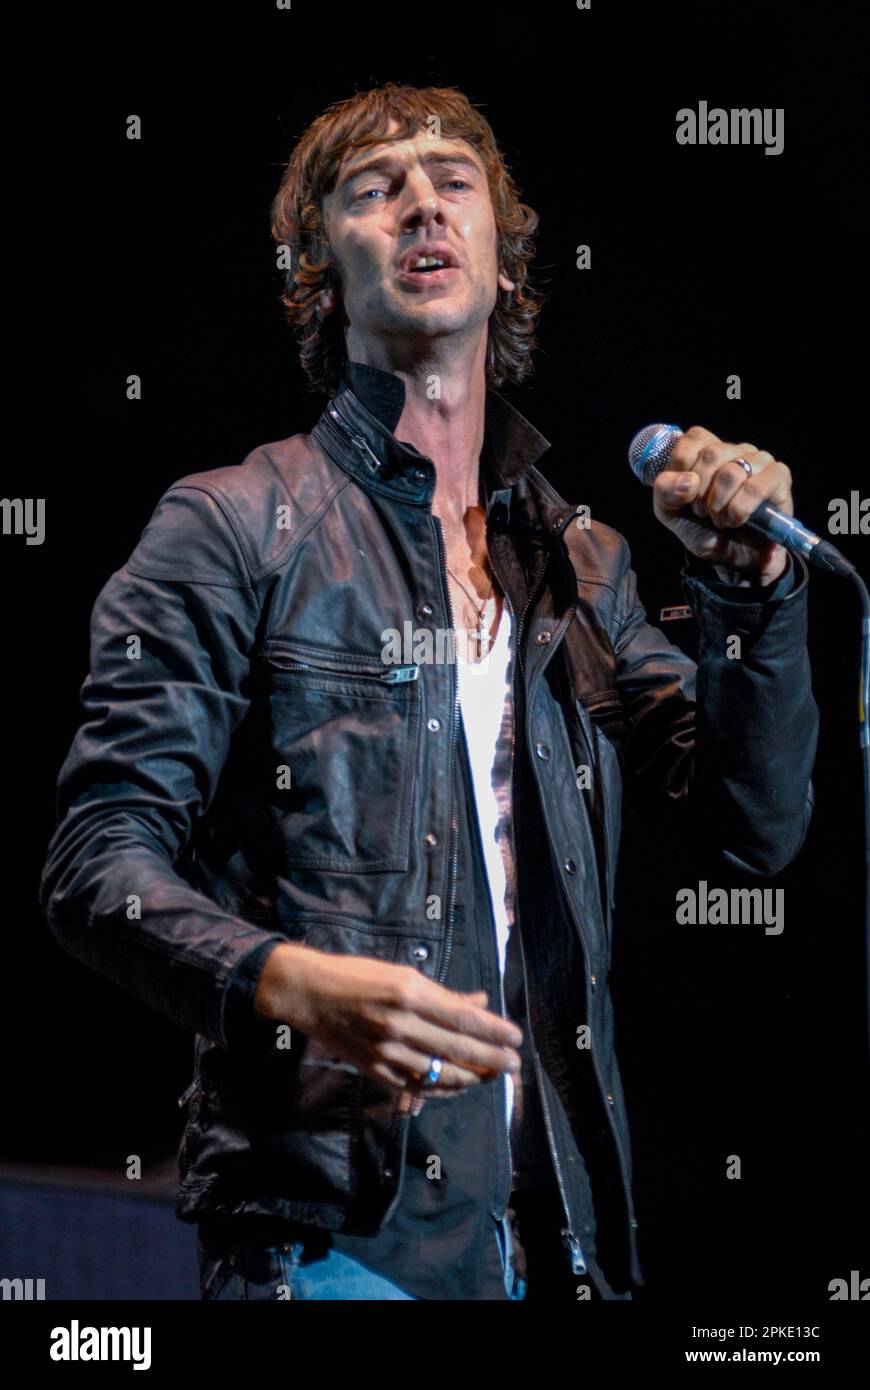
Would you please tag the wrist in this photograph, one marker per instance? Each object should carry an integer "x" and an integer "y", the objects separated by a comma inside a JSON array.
[
  {"x": 739, "y": 578},
  {"x": 751, "y": 579},
  {"x": 280, "y": 988}
]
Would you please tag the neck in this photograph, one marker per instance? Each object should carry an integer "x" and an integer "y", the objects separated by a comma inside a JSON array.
[{"x": 443, "y": 417}]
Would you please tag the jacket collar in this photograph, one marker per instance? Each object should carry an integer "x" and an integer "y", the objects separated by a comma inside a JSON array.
[{"x": 363, "y": 414}]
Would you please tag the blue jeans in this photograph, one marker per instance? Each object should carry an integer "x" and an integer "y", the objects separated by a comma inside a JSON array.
[{"x": 278, "y": 1272}]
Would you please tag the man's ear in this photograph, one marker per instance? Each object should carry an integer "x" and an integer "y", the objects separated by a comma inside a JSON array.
[
  {"x": 330, "y": 301},
  {"x": 326, "y": 302},
  {"x": 504, "y": 282}
]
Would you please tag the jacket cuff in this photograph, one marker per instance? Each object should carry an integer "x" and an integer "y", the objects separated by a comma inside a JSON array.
[
  {"x": 722, "y": 610},
  {"x": 704, "y": 573},
  {"x": 240, "y": 1025}
]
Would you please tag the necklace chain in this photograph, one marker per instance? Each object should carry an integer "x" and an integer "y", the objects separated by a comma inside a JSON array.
[
  {"x": 479, "y": 611},
  {"x": 478, "y": 636}
]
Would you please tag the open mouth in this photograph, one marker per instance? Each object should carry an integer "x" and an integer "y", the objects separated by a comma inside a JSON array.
[
  {"x": 426, "y": 264},
  {"x": 438, "y": 273}
]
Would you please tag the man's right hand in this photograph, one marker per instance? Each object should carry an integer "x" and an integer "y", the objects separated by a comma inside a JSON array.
[{"x": 387, "y": 1020}]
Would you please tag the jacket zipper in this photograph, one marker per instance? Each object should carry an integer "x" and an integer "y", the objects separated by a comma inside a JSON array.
[
  {"x": 569, "y": 1237},
  {"x": 397, "y": 675},
  {"x": 529, "y": 601},
  {"x": 454, "y": 829},
  {"x": 356, "y": 439}
]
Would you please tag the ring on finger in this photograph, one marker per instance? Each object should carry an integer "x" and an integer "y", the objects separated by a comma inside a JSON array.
[{"x": 433, "y": 1075}]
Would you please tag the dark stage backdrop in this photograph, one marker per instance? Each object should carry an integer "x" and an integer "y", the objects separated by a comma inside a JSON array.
[{"x": 154, "y": 257}]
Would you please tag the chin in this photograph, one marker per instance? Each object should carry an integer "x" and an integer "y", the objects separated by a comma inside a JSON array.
[{"x": 435, "y": 318}]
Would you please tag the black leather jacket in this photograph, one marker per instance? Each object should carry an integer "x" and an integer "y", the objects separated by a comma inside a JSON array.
[{"x": 250, "y": 771}]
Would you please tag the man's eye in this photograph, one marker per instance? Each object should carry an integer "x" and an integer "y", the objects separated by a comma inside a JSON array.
[{"x": 365, "y": 194}]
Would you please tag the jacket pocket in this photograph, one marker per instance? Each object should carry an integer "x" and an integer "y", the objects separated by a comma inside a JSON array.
[{"x": 339, "y": 754}]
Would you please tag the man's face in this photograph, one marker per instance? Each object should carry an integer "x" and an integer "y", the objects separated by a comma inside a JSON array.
[{"x": 391, "y": 201}]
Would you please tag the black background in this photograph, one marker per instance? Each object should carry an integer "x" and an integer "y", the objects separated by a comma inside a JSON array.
[{"x": 155, "y": 258}]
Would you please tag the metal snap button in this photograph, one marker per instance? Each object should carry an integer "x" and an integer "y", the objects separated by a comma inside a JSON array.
[
  {"x": 425, "y": 610},
  {"x": 420, "y": 952},
  {"x": 430, "y": 840},
  {"x": 542, "y": 750},
  {"x": 433, "y": 725},
  {"x": 543, "y": 638},
  {"x": 569, "y": 865}
]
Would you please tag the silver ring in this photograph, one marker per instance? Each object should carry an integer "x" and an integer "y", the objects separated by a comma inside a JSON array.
[
  {"x": 433, "y": 1075},
  {"x": 746, "y": 466}
]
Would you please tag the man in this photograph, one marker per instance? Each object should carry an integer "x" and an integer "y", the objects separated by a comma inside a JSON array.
[{"x": 373, "y": 871}]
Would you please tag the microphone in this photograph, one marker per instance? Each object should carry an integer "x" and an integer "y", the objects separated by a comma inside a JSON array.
[{"x": 649, "y": 454}]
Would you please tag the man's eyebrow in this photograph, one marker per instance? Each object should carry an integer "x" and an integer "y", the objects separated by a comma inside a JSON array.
[{"x": 386, "y": 161}]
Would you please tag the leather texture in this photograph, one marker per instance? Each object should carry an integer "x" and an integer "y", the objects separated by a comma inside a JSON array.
[{"x": 260, "y": 594}]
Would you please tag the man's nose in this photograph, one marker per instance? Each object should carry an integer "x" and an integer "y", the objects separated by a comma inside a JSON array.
[{"x": 423, "y": 204}]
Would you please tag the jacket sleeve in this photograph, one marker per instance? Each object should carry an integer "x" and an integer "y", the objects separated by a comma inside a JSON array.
[
  {"x": 171, "y": 634},
  {"x": 721, "y": 753}
]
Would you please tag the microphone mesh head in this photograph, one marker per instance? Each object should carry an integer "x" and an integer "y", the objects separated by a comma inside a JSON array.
[{"x": 650, "y": 450}]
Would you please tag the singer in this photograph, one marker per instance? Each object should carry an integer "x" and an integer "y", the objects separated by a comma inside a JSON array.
[{"x": 379, "y": 893}]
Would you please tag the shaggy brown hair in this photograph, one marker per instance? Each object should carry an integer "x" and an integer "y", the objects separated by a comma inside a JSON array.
[{"x": 297, "y": 223}]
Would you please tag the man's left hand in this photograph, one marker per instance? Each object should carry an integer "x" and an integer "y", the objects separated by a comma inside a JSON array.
[{"x": 706, "y": 494}]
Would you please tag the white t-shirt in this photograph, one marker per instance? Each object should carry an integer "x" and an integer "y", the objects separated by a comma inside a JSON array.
[{"x": 487, "y": 715}]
